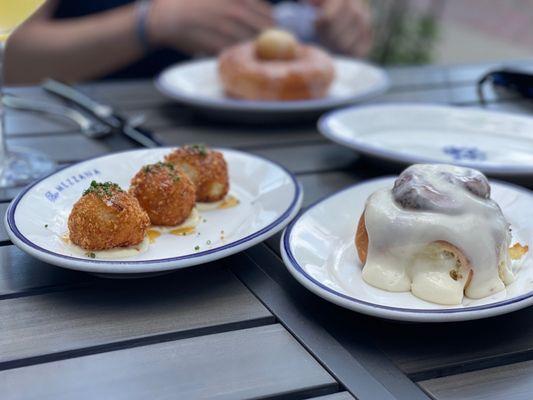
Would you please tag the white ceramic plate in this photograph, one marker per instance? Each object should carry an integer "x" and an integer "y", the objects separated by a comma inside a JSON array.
[
  {"x": 269, "y": 198},
  {"x": 492, "y": 142},
  {"x": 196, "y": 83},
  {"x": 318, "y": 249}
]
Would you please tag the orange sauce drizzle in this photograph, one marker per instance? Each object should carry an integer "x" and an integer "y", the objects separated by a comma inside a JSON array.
[
  {"x": 230, "y": 201},
  {"x": 153, "y": 235},
  {"x": 183, "y": 231}
]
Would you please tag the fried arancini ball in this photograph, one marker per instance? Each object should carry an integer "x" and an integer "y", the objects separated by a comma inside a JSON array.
[
  {"x": 206, "y": 168},
  {"x": 106, "y": 217},
  {"x": 164, "y": 192}
]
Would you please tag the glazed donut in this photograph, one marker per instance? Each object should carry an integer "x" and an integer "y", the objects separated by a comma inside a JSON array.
[
  {"x": 275, "y": 67},
  {"x": 436, "y": 233}
]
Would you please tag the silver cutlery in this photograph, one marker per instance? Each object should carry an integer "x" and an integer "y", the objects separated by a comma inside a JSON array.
[
  {"x": 88, "y": 126},
  {"x": 103, "y": 112}
]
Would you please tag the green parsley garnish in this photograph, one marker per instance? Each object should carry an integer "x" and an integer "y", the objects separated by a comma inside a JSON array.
[
  {"x": 200, "y": 148},
  {"x": 91, "y": 255},
  {"x": 196, "y": 248},
  {"x": 208, "y": 242},
  {"x": 103, "y": 189},
  {"x": 46, "y": 225},
  {"x": 157, "y": 166}
]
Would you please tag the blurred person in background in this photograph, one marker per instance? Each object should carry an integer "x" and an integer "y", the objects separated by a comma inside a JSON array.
[{"x": 75, "y": 40}]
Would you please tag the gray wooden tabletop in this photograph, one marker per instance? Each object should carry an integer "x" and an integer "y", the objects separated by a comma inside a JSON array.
[{"x": 239, "y": 328}]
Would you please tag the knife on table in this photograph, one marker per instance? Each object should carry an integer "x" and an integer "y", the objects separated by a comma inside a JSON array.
[{"x": 102, "y": 112}]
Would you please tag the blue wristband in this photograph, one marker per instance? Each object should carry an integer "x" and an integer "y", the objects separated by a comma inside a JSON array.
[{"x": 142, "y": 11}]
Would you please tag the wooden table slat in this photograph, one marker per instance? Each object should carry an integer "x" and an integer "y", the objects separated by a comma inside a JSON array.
[
  {"x": 250, "y": 363},
  {"x": 473, "y": 72},
  {"x": 431, "y": 350},
  {"x": 3, "y": 233},
  {"x": 21, "y": 123},
  {"x": 310, "y": 158},
  {"x": 127, "y": 93},
  {"x": 170, "y": 115},
  {"x": 73, "y": 147},
  {"x": 335, "y": 396},
  {"x": 7, "y": 194},
  {"x": 509, "y": 382},
  {"x": 242, "y": 137},
  {"x": 114, "y": 312},
  {"x": 411, "y": 77},
  {"x": 21, "y": 273}
]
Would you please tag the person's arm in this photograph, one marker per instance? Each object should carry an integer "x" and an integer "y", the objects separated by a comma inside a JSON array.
[
  {"x": 90, "y": 47},
  {"x": 72, "y": 49},
  {"x": 345, "y": 26}
]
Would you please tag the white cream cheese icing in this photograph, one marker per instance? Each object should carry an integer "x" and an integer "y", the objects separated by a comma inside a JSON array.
[{"x": 431, "y": 203}]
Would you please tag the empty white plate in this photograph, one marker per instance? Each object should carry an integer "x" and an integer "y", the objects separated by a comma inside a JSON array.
[
  {"x": 269, "y": 197},
  {"x": 496, "y": 143},
  {"x": 319, "y": 251},
  {"x": 196, "y": 83}
]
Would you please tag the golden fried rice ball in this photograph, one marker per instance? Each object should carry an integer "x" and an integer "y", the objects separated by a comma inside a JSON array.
[
  {"x": 165, "y": 193},
  {"x": 206, "y": 168},
  {"x": 106, "y": 217}
]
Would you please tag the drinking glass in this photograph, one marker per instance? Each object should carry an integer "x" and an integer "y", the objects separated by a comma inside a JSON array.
[{"x": 17, "y": 166}]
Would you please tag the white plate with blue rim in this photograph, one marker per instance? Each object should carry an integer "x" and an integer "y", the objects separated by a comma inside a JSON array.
[
  {"x": 495, "y": 143},
  {"x": 269, "y": 197},
  {"x": 319, "y": 251},
  {"x": 196, "y": 83}
]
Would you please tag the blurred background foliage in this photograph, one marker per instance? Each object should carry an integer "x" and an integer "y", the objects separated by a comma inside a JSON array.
[
  {"x": 405, "y": 34},
  {"x": 451, "y": 31}
]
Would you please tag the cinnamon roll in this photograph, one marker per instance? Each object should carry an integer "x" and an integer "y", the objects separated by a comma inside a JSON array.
[{"x": 436, "y": 233}]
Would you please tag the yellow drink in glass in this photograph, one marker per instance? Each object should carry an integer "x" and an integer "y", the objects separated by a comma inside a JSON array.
[{"x": 15, "y": 12}]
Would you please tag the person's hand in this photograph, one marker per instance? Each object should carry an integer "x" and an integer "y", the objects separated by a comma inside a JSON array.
[
  {"x": 345, "y": 26},
  {"x": 206, "y": 26}
]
